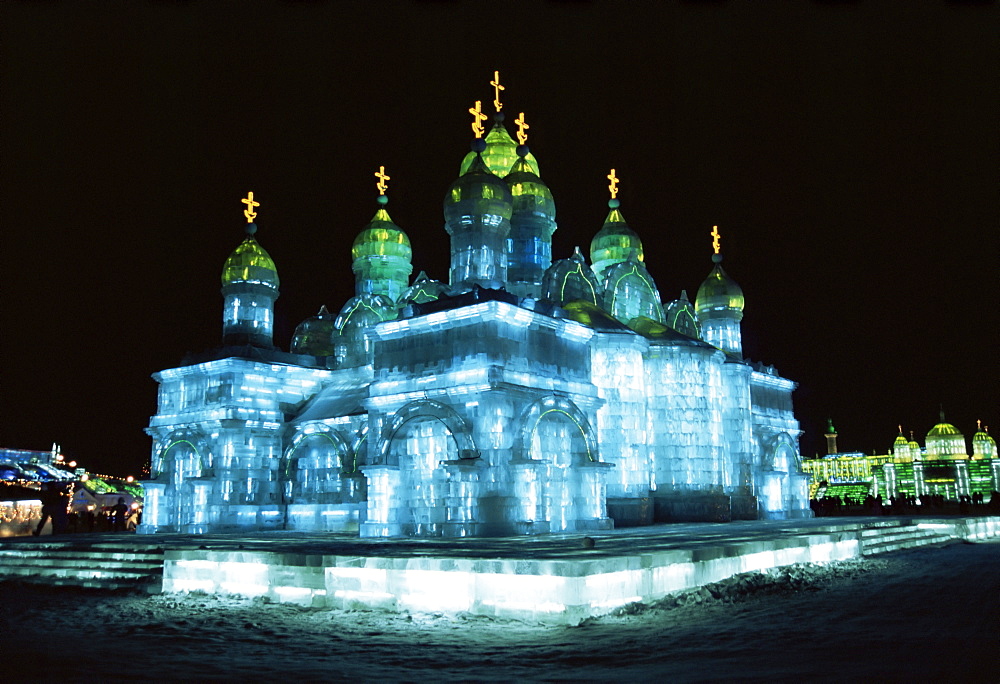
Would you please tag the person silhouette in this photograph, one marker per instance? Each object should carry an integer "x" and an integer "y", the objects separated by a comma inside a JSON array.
[{"x": 118, "y": 513}]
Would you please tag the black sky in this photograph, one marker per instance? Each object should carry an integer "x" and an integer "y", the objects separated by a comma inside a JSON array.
[{"x": 849, "y": 152}]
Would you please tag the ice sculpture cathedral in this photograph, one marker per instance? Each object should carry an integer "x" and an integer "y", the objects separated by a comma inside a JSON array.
[{"x": 524, "y": 396}]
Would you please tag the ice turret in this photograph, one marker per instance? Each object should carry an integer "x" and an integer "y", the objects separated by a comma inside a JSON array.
[
  {"x": 680, "y": 315},
  {"x": 571, "y": 280},
  {"x": 614, "y": 242},
  {"x": 983, "y": 444},
  {"x": 719, "y": 306},
  {"x": 249, "y": 290},
  {"x": 381, "y": 254},
  {"x": 901, "y": 448},
  {"x": 532, "y": 224},
  {"x": 477, "y": 212}
]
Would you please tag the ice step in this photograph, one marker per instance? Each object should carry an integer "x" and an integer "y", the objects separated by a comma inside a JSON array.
[
  {"x": 109, "y": 566},
  {"x": 886, "y": 539}
]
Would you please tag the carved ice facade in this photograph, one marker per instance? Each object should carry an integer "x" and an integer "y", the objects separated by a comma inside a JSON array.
[{"x": 521, "y": 397}]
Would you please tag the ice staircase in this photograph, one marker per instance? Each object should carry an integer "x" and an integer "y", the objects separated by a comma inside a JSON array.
[
  {"x": 110, "y": 565},
  {"x": 896, "y": 536}
]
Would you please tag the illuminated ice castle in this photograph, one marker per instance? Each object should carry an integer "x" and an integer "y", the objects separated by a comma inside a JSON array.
[{"x": 522, "y": 396}]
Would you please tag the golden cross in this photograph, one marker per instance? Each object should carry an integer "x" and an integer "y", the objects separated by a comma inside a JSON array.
[
  {"x": 477, "y": 117},
  {"x": 715, "y": 239},
  {"x": 522, "y": 137},
  {"x": 614, "y": 184},
  {"x": 496, "y": 90},
  {"x": 249, "y": 212},
  {"x": 382, "y": 178}
]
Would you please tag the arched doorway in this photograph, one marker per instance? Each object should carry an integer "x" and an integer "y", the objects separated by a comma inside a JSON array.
[{"x": 313, "y": 465}]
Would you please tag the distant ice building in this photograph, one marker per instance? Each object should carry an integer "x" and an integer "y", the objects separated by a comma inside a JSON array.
[
  {"x": 943, "y": 467},
  {"x": 520, "y": 396}
]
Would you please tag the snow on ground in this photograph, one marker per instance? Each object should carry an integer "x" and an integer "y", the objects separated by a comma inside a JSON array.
[{"x": 930, "y": 614}]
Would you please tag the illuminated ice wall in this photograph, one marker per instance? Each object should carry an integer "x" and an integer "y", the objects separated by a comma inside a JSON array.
[{"x": 522, "y": 396}]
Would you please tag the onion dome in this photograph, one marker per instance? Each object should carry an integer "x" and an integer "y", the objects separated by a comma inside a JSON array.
[
  {"x": 500, "y": 153},
  {"x": 680, "y": 315},
  {"x": 719, "y": 295},
  {"x": 381, "y": 237},
  {"x": 529, "y": 192},
  {"x": 629, "y": 292},
  {"x": 314, "y": 336},
  {"x": 250, "y": 263},
  {"x": 422, "y": 290},
  {"x": 571, "y": 280},
  {"x": 945, "y": 441},
  {"x": 614, "y": 242},
  {"x": 983, "y": 445},
  {"x": 381, "y": 254},
  {"x": 477, "y": 192}
]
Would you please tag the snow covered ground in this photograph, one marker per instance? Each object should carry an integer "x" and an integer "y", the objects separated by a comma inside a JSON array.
[{"x": 930, "y": 614}]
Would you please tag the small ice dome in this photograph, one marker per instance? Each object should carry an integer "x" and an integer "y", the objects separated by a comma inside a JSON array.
[
  {"x": 719, "y": 294},
  {"x": 477, "y": 192},
  {"x": 381, "y": 237},
  {"x": 364, "y": 310},
  {"x": 614, "y": 242},
  {"x": 499, "y": 154},
  {"x": 422, "y": 290},
  {"x": 529, "y": 192},
  {"x": 681, "y": 316},
  {"x": 314, "y": 335},
  {"x": 250, "y": 263}
]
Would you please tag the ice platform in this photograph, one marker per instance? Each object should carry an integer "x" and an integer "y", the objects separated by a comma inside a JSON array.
[{"x": 555, "y": 579}]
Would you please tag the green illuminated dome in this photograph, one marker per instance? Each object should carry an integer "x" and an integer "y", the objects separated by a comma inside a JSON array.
[
  {"x": 983, "y": 445},
  {"x": 250, "y": 263},
  {"x": 477, "y": 192},
  {"x": 571, "y": 280},
  {"x": 362, "y": 311},
  {"x": 901, "y": 441},
  {"x": 719, "y": 294},
  {"x": 945, "y": 441},
  {"x": 680, "y": 315},
  {"x": 499, "y": 155},
  {"x": 315, "y": 335},
  {"x": 529, "y": 192},
  {"x": 614, "y": 243},
  {"x": 381, "y": 237}
]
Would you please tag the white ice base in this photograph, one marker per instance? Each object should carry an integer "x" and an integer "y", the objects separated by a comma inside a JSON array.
[{"x": 564, "y": 584}]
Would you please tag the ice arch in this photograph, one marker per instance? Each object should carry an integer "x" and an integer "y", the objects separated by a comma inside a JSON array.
[
  {"x": 447, "y": 436},
  {"x": 181, "y": 455},
  {"x": 569, "y": 436},
  {"x": 313, "y": 463}
]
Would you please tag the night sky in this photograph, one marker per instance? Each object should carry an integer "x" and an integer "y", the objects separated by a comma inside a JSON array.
[{"x": 848, "y": 151}]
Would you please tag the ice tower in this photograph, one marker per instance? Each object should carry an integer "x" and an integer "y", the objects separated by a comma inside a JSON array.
[
  {"x": 250, "y": 287},
  {"x": 524, "y": 395}
]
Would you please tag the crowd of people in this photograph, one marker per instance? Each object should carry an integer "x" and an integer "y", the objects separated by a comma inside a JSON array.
[
  {"x": 57, "y": 509},
  {"x": 906, "y": 505}
]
